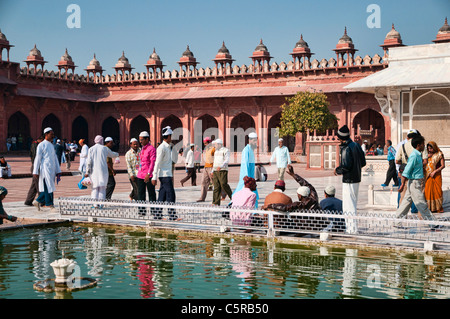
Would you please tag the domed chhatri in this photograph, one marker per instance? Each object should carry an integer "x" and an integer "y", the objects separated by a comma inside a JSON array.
[
  {"x": 223, "y": 57},
  {"x": 393, "y": 39},
  {"x": 261, "y": 46},
  {"x": 301, "y": 51},
  {"x": 393, "y": 34},
  {"x": 443, "y": 35},
  {"x": 66, "y": 57},
  {"x": 154, "y": 62},
  {"x": 345, "y": 41},
  {"x": 35, "y": 58},
  {"x": 35, "y": 54},
  {"x": 187, "y": 60},
  {"x": 3, "y": 37},
  {"x": 4, "y": 44},
  {"x": 94, "y": 67},
  {"x": 223, "y": 49},
  {"x": 188, "y": 53},
  {"x": 301, "y": 43},
  {"x": 123, "y": 62},
  {"x": 94, "y": 62},
  {"x": 123, "y": 66},
  {"x": 66, "y": 63},
  {"x": 261, "y": 54},
  {"x": 344, "y": 47}
]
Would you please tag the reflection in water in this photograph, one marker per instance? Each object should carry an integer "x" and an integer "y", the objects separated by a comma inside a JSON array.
[{"x": 139, "y": 264}]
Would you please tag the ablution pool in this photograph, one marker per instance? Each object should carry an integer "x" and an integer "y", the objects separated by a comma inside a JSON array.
[{"x": 137, "y": 264}]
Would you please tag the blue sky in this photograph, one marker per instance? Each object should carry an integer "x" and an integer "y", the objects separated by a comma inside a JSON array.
[{"x": 137, "y": 26}]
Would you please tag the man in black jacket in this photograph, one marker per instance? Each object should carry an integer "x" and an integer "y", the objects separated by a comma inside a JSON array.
[{"x": 351, "y": 162}]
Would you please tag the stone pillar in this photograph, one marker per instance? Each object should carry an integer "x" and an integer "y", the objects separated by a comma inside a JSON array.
[{"x": 124, "y": 132}]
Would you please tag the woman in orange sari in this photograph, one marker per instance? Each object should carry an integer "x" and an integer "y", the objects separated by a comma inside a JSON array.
[{"x": 433, "y": 178}]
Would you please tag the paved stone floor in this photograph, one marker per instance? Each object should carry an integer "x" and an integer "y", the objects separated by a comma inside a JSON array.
[{"x": 18, "y": 187}]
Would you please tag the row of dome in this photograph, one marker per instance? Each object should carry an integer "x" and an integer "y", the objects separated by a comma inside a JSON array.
[{"x": 260, "y": 55}]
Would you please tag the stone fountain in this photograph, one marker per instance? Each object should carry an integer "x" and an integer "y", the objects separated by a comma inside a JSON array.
[{"x": 64, "y": 270}]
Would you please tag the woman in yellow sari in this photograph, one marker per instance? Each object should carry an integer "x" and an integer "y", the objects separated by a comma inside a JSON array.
[{"x": 433, "y": 178}]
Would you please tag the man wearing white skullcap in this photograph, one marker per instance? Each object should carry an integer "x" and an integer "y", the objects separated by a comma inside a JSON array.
[
  {"x": 83, "y": 156},
  {"x": 166, "y": 131},
  {"x": 220, "y": 172},
  {"x": 46, "y": 167},
  {"x": 163, "y": 170},
  {"x": 331, "y": 204},
  {"x": 306, "y": 193},
  {"x": 208, "y": 156},
  {"x": 97, "y": 167},
  {"x": 132, "y": 159},
  {"x": 282, "y": 157},
  {"x": 47, "y": 129},
  {"x": 145, "y": 172},
  {"x": 190, "y": 167},
  {"x": 248, "y": 163},
  {"x": 303, "y": 191}
]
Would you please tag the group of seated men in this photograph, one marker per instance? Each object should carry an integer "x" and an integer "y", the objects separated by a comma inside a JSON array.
[{"x": 307, "y": 200}]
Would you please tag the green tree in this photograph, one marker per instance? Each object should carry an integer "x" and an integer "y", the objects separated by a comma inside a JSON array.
[{"x": 306, "y": 111}]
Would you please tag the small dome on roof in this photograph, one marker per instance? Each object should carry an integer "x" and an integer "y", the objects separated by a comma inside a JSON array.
[
  {"x": 261, "y": 46},
  {"x": 2, "y": 36},
  {"x": 66, "y": 57},
  {"x": 123, "y": 58},
  {"x": 155, "y": 56},
  {"x": 345, "y": 38},
  {"x": 445, "y": 28},
  {"x": 188, "y": 52},
  {"x": 35, "y": 52},
  {"x": 223, "y": 49},
  {"x": 301, "y": 43},
  {"x": 94, "y": 61},
  {"x": 393, "y": 34}
]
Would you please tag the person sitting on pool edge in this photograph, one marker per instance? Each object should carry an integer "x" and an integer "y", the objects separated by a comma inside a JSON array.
[
  {"x": 332, "y": 205},
  {"x": 3, "y": 214}
]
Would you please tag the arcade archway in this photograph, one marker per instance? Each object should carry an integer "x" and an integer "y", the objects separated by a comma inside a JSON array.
[
  {"x": 138, "y": 124},
  {"x": 80, "y": 129},
  {"x": 110, "y": 128},
  {"x": 241, "y": 125},
  {"x": 369, "y": 125},
  {"x": 176, "y": 126},
  {"x": 206, "y": 126},
  {"x": 19, "y": 126},
  {"x": 289, "y": 141},
  {"x": 52, "y": 121}
]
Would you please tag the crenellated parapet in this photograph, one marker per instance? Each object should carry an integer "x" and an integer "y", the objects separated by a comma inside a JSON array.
[
  {"x": 301, "y": 65},
  {"x": 281, "y": 69}
]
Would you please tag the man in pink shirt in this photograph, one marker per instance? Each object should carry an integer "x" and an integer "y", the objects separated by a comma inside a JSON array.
[{"x": 145, "y": 172}]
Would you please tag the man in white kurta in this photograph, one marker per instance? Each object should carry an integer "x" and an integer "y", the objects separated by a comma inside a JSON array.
[
  {"x": 282, "y": 157},
  {"x": 97, "y": 167},
  {"x": 46, "y": 166},
  {"x": 83, "y": 156}
]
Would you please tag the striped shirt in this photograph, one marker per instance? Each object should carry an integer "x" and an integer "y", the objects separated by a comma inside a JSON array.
[{"x": 132, "y": 159}]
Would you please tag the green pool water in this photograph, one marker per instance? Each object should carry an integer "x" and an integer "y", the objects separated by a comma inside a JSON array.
[{"x": 139, "y": 264}]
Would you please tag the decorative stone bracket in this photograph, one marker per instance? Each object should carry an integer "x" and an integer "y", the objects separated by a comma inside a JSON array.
[{"x": 389, "y": 101}]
